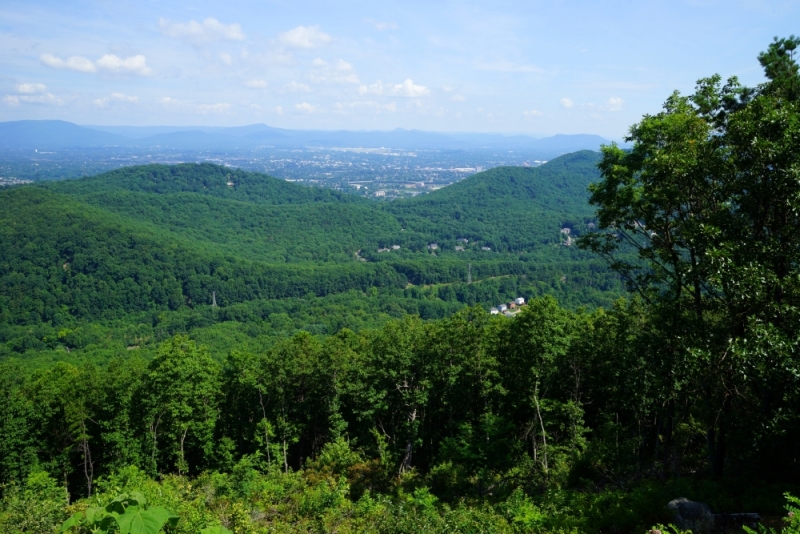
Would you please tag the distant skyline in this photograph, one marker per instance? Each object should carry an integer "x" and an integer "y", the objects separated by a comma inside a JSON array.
[{"x": 536, "y": 68}]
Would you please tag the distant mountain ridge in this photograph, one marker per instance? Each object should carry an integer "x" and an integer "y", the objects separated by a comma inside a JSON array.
[{"x": 17, "y": 135}]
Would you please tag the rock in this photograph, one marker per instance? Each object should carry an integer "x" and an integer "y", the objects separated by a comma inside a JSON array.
[{"x": 690, "y": 515}]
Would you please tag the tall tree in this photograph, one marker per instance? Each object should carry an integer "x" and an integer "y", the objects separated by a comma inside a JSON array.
[
  {"x": 708, "y": 198},
  {"x": 180, "y": 401}
]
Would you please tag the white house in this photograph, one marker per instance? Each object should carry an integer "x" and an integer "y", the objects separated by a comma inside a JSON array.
[
  {"x": 519, "y": 301},
  {"x": 433, "y": 246},
  {"x": 502, "y": 307},
  {"x": 494, "y": 311}
]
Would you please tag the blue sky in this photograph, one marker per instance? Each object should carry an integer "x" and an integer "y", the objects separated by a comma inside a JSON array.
[{"x": 531, "y": 67}]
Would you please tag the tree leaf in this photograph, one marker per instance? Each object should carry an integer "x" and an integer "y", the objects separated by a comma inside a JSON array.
[
  {"x": 138, "y": 521},
  {"x": 216, "y": 529}
]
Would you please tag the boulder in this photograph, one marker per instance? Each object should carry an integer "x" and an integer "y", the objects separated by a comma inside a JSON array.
[{"x": 690, "y": 515}]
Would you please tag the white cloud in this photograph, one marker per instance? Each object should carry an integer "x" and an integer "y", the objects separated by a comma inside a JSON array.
[
  {"x": 32, "y": 93},
  {"x": 225, "y": 58},
  {"x": 133, "y": 64},
  {"x": 407, "y": 88},
  {"x": 339, "y": 72},
  {"x": 294, "y": 87},
  {"x": 31, "y": 88},
  {"x": 257, "y": 84},
  {"x": 613, "y": 104},
  {"x": 115, "y": 97},
  {"x": 305, "y": 107},
  {"x": 78, "y": 63},
  {"x": 532, "y": 113},
  {"x": 109, "y": 62},
  {"x": 566, "y": 102},
  {"x": 46, "y": 98},
  {"x": 279, "y": 110},
  {"x": 458, "y": 98},
  {"x": 306, "y": 37},
  {"x": 202, "y": 32},
  {"x": 506, "y": 66},
  {"x": 381, "y": 26}
]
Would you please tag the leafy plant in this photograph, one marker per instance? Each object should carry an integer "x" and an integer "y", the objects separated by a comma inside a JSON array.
[
  {"x": 128, "y": 513},
  {"x": 792, "y": 519}
]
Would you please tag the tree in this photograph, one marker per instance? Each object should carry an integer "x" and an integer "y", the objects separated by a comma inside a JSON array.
[
  {"x": 701, "y": 218},
  {"x": 180, "y": 399}
]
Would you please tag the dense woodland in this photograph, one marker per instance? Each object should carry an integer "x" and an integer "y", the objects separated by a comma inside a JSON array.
[
  {"x": 153, "y": 247},
  {"x": 336, "y": 389}
]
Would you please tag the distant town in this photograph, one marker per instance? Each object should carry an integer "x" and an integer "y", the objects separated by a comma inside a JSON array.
[{"x": 379, "y": 173}]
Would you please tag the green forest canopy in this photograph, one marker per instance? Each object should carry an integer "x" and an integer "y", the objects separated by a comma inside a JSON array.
[
  {"x": 158, "y": 238},
  {"x": 557, "y": 420}
]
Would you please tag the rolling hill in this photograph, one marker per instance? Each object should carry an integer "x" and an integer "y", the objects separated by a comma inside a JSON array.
[
  {"x": 507, "y": 208},
  {"x": 166, "y": 238}
]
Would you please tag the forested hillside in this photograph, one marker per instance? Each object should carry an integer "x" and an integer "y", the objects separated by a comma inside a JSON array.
[
  {"x": 507, "y": 208},
  {"x": 157, "y": 376},
  {"x": 173, "y": 241},
  {"x": 205, "y": 179}
]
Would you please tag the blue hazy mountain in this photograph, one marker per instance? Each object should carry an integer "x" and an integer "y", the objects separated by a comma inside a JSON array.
[
  {"x": 54, "y": 134},
  {"x": 60, "y": 134}
]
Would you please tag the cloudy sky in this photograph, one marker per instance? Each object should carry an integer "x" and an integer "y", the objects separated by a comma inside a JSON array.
[{"x": 534, "y": 67}]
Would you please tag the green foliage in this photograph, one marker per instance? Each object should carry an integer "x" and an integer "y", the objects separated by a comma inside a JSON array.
[
  {"x": 537, "y": 202},
  {"x": 165, "y": 238},
  {"x": 708, "y": 200},
  {"x": 33, "y": 507},
  {"x": 361, "y": 392},
  {"x": 126, "y": 513}
]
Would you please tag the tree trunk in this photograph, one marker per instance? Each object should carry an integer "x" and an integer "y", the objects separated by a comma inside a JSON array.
[
  {"x": 182, "y": 462},
  {"x": 266, "y": 424},
  {"x": 541, "y": 423},
  {"x": 88, "y": 464},
  {"x": 406, "y": 463}
]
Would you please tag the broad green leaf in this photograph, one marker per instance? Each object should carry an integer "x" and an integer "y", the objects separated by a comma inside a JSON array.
[
  {"x": 118, "y": 505},
  {"x": 138, "y": 521},
  {"x": 72, "y": 521},
  {"x": 96, "y": 514},
  {"x": 136, "y": 498}
]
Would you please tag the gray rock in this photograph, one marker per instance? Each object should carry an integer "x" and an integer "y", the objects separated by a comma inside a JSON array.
[{"x": 690, "y": 515}]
